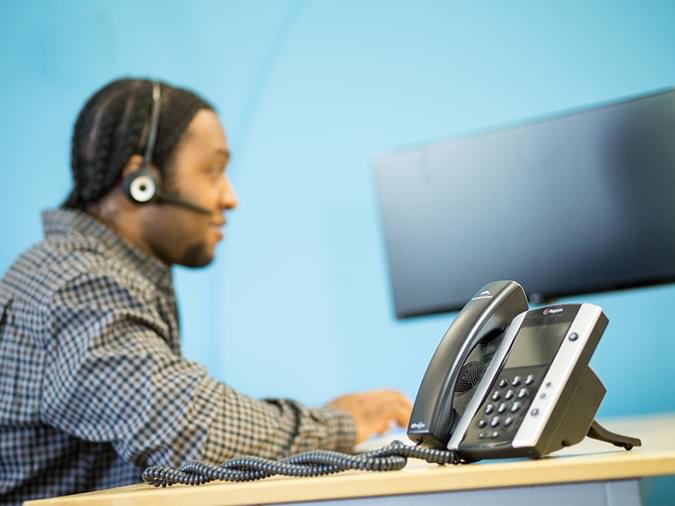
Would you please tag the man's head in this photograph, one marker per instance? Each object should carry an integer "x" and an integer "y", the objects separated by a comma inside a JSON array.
[{"x": 189, "y": 161}]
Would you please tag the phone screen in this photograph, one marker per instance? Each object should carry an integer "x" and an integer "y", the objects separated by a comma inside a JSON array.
[{"x": 536, "y": 344}]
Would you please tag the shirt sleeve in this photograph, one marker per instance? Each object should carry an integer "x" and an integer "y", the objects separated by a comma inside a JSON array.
[{"x": 112, "y": 377}]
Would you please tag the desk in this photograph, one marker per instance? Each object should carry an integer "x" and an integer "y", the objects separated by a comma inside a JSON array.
[{"x": 586, "y": 474}]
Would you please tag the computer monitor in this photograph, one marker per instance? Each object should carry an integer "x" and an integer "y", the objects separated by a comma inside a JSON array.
[{"x": 576, "y": 203}]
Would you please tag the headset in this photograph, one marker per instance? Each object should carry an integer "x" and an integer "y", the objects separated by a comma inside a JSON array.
[{"x": 141, "y": 186}]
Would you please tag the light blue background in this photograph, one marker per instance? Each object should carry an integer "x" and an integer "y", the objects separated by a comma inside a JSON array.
[{"x": 297, "y": 303}]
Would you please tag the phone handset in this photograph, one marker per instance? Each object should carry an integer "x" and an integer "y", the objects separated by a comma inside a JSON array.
[{"x": 488, "y": 313}]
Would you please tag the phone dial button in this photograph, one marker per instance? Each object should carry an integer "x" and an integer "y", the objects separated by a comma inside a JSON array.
[
  {"x": 489, "y": 409},
  {"x": 501, "y": 408},
  {"x": 509, "y": 395},
  {"x": 508, "y": 421},
  {"x": 530, "y": 379},
  {"x": 494, "y": 422},
  {"x": 522, "y": 393},
  {"x": 516, "y": 381},
  {"x": 503, "y": 383},
  {"x": 481, "y": 424},
  {"x": 515, "y": 407},
  {"x": 494, "y": 435},
  {"x": 496, "y": 396}
]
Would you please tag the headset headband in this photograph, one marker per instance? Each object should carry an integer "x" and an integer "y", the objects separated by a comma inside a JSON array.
[{"x": 154, "y": 124}]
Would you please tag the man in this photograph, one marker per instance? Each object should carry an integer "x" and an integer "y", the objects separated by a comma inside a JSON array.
[{"x": 93, "y": 387}]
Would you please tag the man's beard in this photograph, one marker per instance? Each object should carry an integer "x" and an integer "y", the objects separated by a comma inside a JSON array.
[{"x": 196, "y": 255}]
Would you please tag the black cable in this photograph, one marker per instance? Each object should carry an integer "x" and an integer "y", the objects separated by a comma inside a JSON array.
[{"x": 311, "y": 463}]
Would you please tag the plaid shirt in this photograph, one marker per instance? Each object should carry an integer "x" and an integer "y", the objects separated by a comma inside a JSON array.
[{"x": 93, "y": 387}]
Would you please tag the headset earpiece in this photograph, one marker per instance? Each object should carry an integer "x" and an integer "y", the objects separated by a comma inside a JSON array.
[{"x": 141, "y": 186}]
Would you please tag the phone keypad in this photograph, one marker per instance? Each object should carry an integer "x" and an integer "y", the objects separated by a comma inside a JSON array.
[{"x": 505, "y": 405}]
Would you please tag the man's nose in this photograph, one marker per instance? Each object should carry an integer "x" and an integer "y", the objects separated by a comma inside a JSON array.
[{"x": 229, "y": 199}]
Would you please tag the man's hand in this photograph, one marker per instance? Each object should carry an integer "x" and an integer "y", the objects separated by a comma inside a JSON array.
[{"x": 374, "y": 411}]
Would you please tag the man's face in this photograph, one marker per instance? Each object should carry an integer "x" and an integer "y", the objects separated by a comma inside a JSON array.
[{"x": 181, "y": 236}]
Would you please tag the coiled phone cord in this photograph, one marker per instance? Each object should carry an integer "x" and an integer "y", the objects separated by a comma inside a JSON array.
[{"x": 310, "y": 463}]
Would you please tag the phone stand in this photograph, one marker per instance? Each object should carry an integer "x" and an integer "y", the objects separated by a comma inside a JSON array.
[
  {"x": 580, "y": 412},
  {"x": 598, "y": 432}
]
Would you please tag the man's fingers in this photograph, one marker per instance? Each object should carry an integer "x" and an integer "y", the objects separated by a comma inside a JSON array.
[
  {"x": 403, "y": 418},
  {"x": 400, "y": 410},
  {"x": 374, "y": 412}
]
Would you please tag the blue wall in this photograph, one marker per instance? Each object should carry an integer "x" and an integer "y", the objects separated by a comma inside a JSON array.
[{"x": 298, "y": 302}]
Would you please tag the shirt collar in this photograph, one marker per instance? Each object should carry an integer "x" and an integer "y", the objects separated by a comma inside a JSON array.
[{"x": 72, "y": 221}]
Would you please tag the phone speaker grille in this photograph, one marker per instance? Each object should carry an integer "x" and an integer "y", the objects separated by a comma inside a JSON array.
[{"x": 469, "y": 376}]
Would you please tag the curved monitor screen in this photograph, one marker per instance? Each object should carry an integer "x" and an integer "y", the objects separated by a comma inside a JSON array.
[{"x": 577, "y": 203}]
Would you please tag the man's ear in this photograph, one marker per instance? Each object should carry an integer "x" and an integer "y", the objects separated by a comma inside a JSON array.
[{"x": 134, "y": 163}]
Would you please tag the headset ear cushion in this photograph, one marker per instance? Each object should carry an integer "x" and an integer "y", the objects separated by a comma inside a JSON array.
[{"x": 141, "y": 187}]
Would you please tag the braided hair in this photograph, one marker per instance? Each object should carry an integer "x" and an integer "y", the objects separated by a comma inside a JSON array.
[{"x": 114, "y": 124}]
